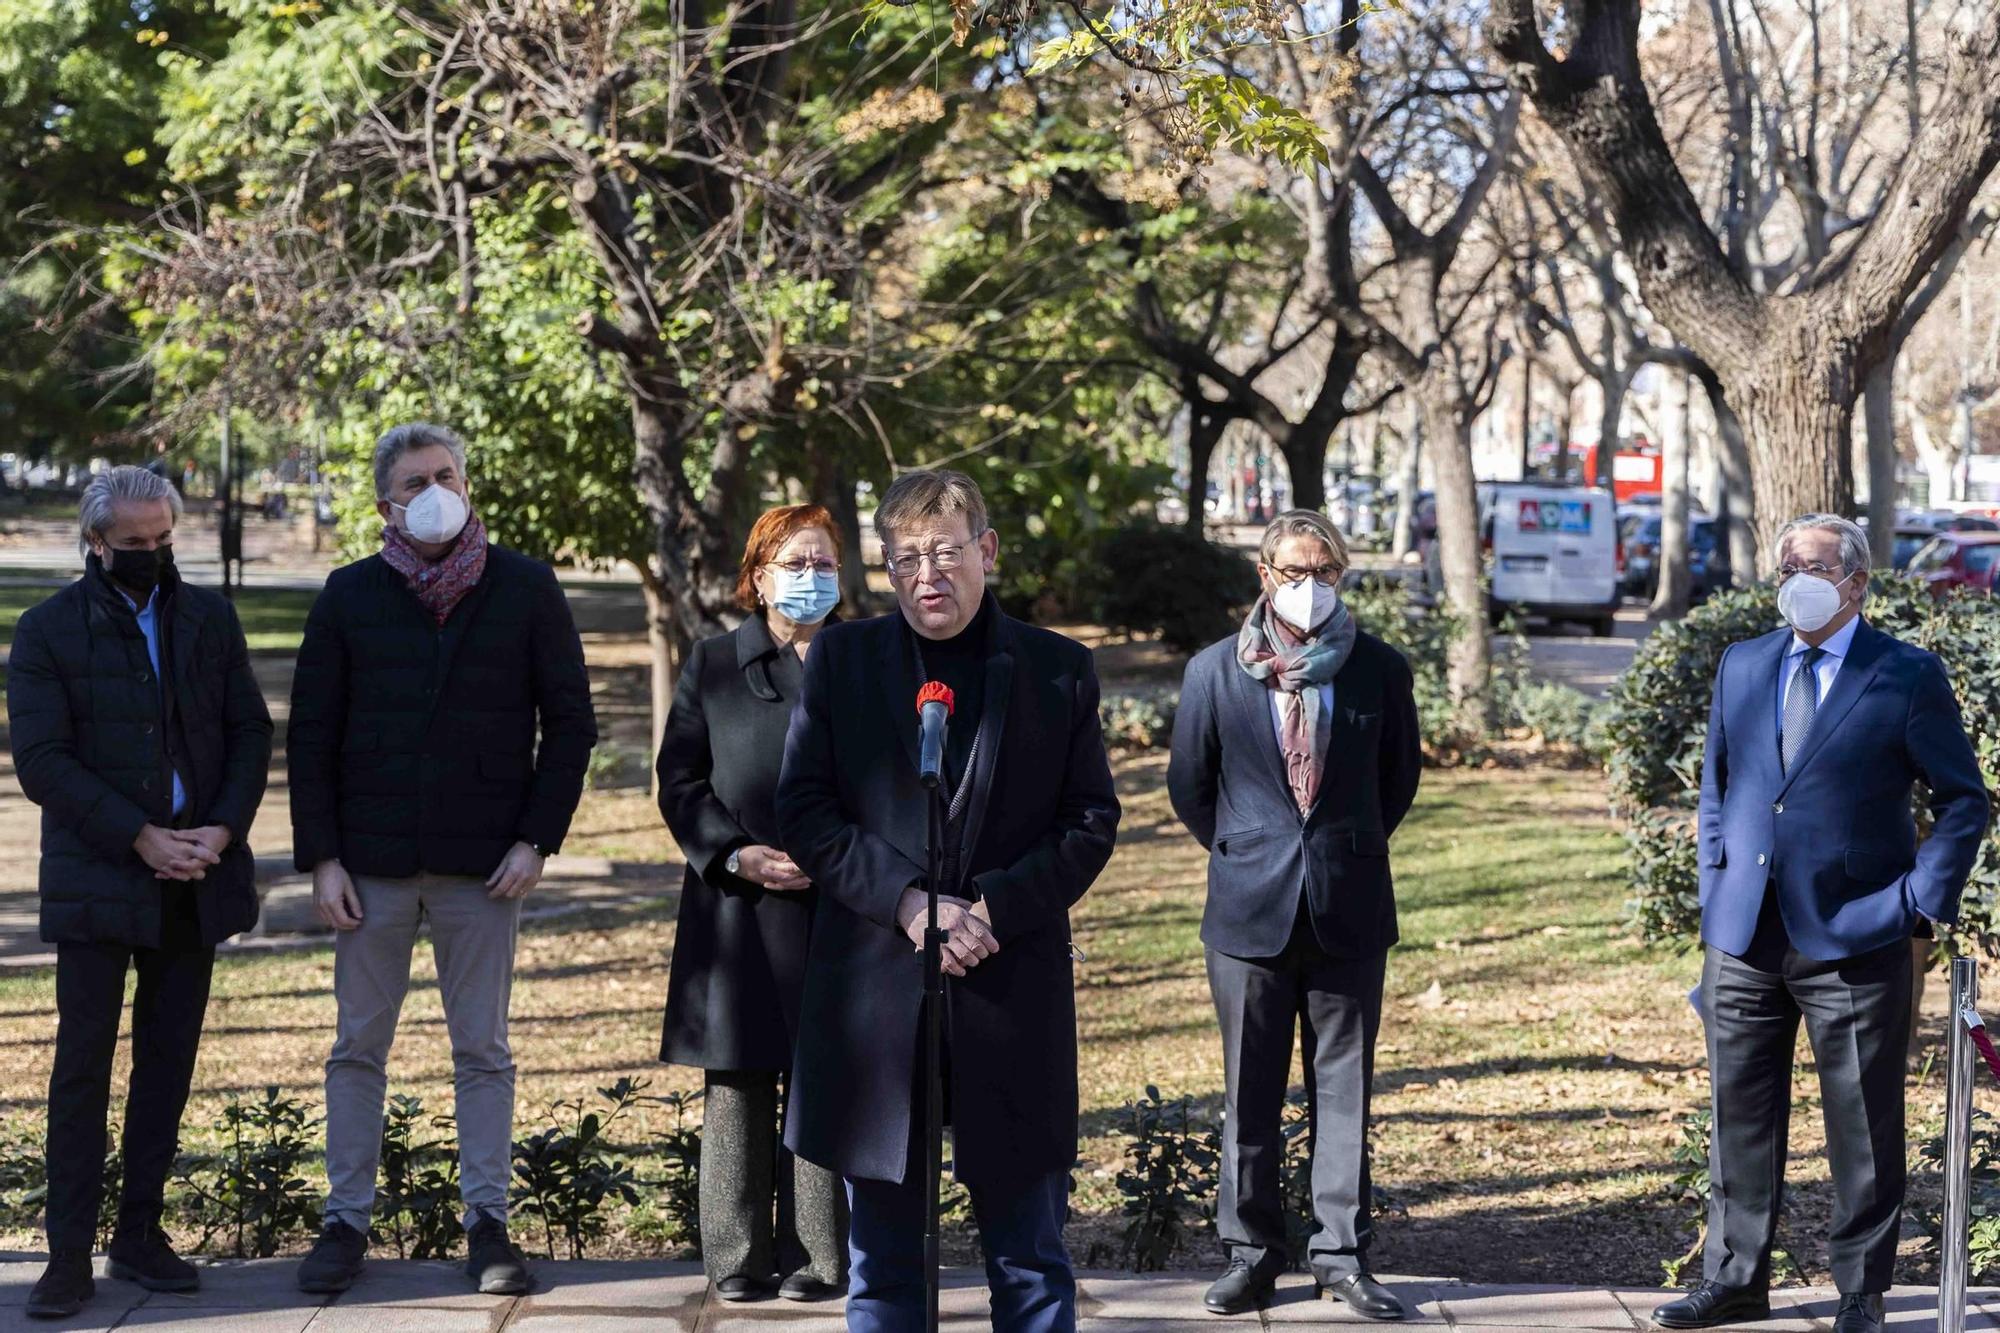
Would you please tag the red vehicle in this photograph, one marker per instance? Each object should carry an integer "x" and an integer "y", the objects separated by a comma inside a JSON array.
[
  {"x": 1634, "y": 471},
  {"x": 1958, "y": 560}
]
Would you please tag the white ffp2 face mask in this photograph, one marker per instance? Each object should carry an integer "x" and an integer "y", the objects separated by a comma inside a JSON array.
[
  {"x": 1304, "y": 604},
  {"x": 1807, "y": 601},
  {"x": 436, "y": 516}
]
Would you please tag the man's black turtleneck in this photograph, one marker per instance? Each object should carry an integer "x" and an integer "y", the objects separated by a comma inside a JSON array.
[{"x": 960, "y": 662}]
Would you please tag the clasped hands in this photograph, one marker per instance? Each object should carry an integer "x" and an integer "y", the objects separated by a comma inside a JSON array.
[
  {"x": 969, "y": 939},
  {"x": 181, "y": 854}
]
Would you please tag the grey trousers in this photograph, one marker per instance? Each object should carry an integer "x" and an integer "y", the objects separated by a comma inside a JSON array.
[
  {"x": 472, "y": 938},
  {"x": 745, "y": 1169},
  {"x": 1857, "y": 1016},
  {"x": 1336, "y": 1006}
]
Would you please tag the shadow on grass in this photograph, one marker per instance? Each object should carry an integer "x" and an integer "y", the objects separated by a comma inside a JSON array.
[{"x": 1399, "y": 1078}]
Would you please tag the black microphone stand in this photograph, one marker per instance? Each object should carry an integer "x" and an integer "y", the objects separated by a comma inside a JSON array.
[{"x": 933, "y": 1050}]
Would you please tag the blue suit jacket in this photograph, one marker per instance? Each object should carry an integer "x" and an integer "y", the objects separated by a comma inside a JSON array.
[{"x": 1836, "y": 834}]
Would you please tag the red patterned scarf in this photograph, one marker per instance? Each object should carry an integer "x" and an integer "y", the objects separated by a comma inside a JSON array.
[
  {"x": 439, "y": 584},
  {"x": 1295, "y": 666}
]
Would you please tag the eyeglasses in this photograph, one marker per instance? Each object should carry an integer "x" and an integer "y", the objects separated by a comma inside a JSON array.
[
  {"x": 800, "y": 565},
  {"x": 943, "y": 558},
  {"x": 1815, "y": 568},
  {"x": 1324, "y": 575}
]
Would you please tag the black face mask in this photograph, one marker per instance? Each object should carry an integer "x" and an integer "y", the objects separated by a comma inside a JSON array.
[{"x": 141, "y": 571}]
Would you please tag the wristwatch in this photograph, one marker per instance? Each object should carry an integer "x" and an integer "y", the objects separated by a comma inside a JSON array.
[{"x": 734, "y": 865}]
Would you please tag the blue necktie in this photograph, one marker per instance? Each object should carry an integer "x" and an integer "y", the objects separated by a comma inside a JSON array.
[{"x": 1801, "y": 702}]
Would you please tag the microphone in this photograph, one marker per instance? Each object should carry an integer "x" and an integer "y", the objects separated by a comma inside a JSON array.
[{"x": 934, "y": 705}]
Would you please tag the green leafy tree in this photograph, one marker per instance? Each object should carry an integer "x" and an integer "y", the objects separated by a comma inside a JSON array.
[{"x": 81, "y": 83}]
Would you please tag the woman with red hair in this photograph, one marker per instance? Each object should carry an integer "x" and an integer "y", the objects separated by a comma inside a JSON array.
[{"x": 745, "y": 917}]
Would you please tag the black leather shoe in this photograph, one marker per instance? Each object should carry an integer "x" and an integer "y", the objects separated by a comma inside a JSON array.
[
  {"x": 1241, "y": 1289},
  {"x": 64, "y": 1287},
  {"x": 806, "y": 1287},
  {"x": 1365, "y": 1296},
  {"x": 1859, "y": 1313},
  {"x": 493, "y": 1262},
  {"x": 1711, "y": 1303},
  {"x": 738, "y": 1289},
  {"x": 335, "y": 1259},
  {"x": 144, "y": 1256}
]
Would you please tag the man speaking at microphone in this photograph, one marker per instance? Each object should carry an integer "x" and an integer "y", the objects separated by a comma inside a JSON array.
[{"x": 1031, "y": 820}]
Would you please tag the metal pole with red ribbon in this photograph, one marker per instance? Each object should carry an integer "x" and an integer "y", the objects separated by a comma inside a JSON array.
[{"x": 1968, "y": 1032}]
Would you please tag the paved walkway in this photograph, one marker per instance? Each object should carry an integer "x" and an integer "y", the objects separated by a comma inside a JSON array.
[{"x": 598, "y": 1297}]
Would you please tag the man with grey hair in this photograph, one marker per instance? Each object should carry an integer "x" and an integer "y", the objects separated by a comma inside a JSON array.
[
  {"x": 441, "y": 723},
  {"x": 139, "y": 729},
  {"x": 1295, "y": 756},
  {"x": 1030, "y": 823},
  {"x": 1812, "y": 880}
]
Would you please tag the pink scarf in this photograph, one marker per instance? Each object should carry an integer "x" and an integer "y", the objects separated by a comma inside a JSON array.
[{"x": 439, "y": 584}]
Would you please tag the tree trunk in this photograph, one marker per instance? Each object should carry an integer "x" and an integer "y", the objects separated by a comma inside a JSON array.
[
  {"x": 1565, "y": 420},
  {"x": 1527, "y": 417},
  {"x": 1939, "y": 464},
  {"x": 1670, "y": 601},
  {"x": 1205, "y": 427},
  {"x": 1408, "y": 476},
  {"x": 1800, "y": 414},
  {"x": 665, "y": 662},
  {"x": 1304, "y": 448},
  {"x": 697, "y": 571},
  {"x": 1878, "y": 400},
  {"x": 833, "y": 487},
  {"x": 1471, "y": 657},
  {"x": 1737, "y": 508},
  {"x": 1612, "y": 382},
  {"x": 1962, "y": 440}
]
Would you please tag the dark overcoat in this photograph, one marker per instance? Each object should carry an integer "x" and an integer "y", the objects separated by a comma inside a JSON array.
[
  {"x": 1228, "y": 785},
  {"x": 739, "y": 948},
  {"x": 1041, "y": 820},
  {"x": 88, "y": 724},
  {"x": 413, "y": 745}
]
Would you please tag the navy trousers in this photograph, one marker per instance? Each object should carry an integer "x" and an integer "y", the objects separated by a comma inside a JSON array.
[{"x": 1020, "y": 1231}]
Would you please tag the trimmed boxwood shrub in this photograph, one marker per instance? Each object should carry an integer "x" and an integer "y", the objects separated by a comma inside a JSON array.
[
  {"x": 1148, "y": 578},
  {"x": 1423, "y": 633},
  {"x": 1659, "y": 723}
]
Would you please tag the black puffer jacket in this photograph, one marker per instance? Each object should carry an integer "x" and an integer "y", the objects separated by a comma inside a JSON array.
[
  {"x": 86, "y": 719},
  {"x": 413, "y": 746}
]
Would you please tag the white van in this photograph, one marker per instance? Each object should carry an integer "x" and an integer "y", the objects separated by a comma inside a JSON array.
[{"x": 1554, "y": 552}]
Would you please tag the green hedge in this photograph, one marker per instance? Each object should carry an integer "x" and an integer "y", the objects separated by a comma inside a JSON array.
[
  {"x": 1659, "y": 722},
  {"x": 1148, "y": 578}
]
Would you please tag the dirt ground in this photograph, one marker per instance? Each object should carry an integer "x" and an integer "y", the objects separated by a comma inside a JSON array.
[{"x": 1534, "y": 1066}]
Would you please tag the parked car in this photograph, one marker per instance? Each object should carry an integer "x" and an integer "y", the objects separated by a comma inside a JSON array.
[
  {"x": 1958, "y": 560},
  {"x": 1910, "y": 538},
  {"x": 1355, "y": 508},
  {"x": 1555, "y": 552},
  {"x": 1708, "y": 563},
  {"x": 1951, "y": 520}
]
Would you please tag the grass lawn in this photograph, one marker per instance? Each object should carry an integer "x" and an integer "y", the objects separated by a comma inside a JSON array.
[
  {"x": 273, "y": 618},
  {"x": 1534, "y": 1061},
  {"x": 40, "y": 507}
]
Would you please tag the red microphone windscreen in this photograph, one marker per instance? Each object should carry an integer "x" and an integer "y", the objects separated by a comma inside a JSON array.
[{"x": 935, "y": 691}]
